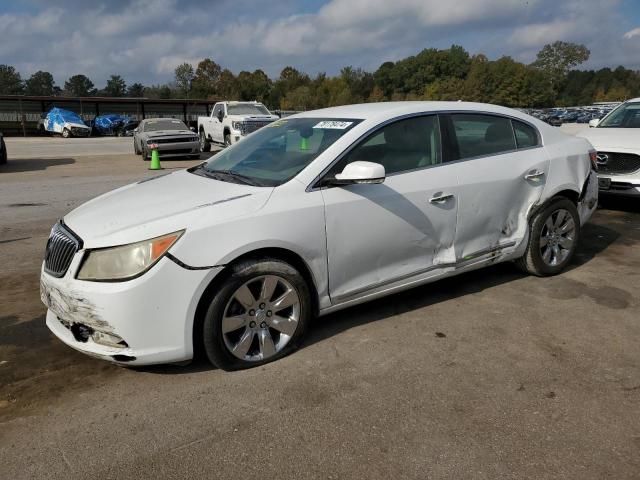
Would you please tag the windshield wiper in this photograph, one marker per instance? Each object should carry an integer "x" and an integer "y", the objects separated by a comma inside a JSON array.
[{"x": 216, "y": 174}]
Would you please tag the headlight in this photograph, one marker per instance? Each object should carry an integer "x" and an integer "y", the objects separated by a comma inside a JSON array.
[
  {"x": 236, "y": 125},
  {"x": 126, "y": 261}
]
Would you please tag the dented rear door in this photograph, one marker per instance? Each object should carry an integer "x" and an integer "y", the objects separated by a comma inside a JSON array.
[{"x": 496, "y": 190}]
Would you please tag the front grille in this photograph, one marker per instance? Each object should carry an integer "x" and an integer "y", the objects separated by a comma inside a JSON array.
[
  {"x": 611, "y": 162},
  {"x": 177, "y": 151},
  {"x": 250, "y": 126},
  {"x": 173, "y": 140},
  {"x": 61, "y": 247}
]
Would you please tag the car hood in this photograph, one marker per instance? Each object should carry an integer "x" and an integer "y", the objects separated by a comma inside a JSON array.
[
  {"x": 604, "y": 139},
  {"x": 160, "y": 205}
]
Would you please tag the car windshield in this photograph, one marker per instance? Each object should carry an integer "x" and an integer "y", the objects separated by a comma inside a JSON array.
[
  {"x": 164, "y": 124},
  {"x": 247, "y": 109},
  {"x": 276, "y": 153},
  {"x": 626, "y": 115}
]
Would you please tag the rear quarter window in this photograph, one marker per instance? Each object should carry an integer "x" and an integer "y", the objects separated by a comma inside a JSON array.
[{"x": 526, "y": 135}]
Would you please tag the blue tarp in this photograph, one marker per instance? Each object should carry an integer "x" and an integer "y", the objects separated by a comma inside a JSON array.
[
  {"x": 57, "y": 117},
  {"x": 109, "y": 124}
]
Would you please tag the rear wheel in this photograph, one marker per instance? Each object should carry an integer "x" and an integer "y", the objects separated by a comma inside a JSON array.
[
  {"x": 205, "y": 145},
  {"x": 3, "y": 152},
  {"x": 553, "y": 238},
  {"x": 258, "y": 315}
]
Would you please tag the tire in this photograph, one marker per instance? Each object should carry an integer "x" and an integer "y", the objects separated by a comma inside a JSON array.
[
  {"x": 145, "y": 153},
  {"x": 205, "y": 144},
  {"x": 66, "y": 133},
  {"x": 554, "y": 232},
  {"x": 227, "y": 140},
  {"x": 136, "y": 150},
  {"x": 256, "y": 332},
  {"x": 3, "y": 152}
]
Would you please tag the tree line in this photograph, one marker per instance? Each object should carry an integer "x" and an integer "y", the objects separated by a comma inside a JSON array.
[{"x": 432, "y": 74}]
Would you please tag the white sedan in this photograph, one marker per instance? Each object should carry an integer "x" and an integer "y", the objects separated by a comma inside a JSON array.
[
  {"x": 311, "y": 214},
  {"x": 617, "y": 139}
]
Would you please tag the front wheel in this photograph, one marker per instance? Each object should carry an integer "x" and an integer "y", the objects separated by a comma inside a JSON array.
[
  {"x": 227, "y": 140},
  {"x": 258, "y": 315},
  {"x": 66, "y": 133},
  {"x": 205, "y": 145},
  {"x": 3, "y": 152},
  {"x": 553, "y": 238}
]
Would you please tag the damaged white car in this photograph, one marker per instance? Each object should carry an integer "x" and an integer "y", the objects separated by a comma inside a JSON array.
[{"x": 311, "y": 214}]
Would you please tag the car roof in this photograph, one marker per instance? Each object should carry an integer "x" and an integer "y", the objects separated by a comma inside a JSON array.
[{"x": 367, "y": 111}]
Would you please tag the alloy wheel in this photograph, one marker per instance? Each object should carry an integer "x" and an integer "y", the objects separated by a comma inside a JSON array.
[
  {"x": 557, "y": 237},
  {"x": 261, "y": 318}
]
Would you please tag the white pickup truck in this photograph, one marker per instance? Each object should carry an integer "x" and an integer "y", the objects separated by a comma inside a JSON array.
[{"x": 229, "y": 122}]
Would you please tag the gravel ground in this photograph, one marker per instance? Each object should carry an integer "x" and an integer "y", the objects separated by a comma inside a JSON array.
[{"x": 488, "y": 375}]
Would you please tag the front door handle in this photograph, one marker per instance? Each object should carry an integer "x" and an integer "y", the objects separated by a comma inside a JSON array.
[
  {"x": 533, "y": 174},
  {"x": 439, "y": 198}
]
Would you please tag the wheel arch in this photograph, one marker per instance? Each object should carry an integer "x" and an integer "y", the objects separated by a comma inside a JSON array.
[{"x": 284, "y": 254}]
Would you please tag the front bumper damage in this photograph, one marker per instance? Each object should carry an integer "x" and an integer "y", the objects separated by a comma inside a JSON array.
[{"x": 147, "y": 320}]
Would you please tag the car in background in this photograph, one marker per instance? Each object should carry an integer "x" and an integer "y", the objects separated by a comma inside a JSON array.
[
  {"x": 128, "y": 129},
  {"x": 617, "y": 140},
  {"x": 3, "y": 151},
  {"x": 169, "y": 136},
  {"x": 230, "y": 122},
  {"x": 315, "y": 213},
  {"x": 554, "y": 120},
  {"x": 110, "y": 124},
  {"x": 66, "y": 123}
]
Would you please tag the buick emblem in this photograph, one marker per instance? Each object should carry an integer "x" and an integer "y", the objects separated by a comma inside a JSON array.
[{"x": 602, "y": 159}]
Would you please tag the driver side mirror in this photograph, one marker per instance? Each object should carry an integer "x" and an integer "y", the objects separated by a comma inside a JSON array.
[
  {"x": 360, "y": 172},
  {"x": 594, "y": 122}
]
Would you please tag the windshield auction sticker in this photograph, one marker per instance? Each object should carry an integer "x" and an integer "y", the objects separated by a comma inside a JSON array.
[{"x": 333, "y": 124}]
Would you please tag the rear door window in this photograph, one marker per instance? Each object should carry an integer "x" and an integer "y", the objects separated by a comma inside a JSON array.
[{"x": 477, "y": 135}]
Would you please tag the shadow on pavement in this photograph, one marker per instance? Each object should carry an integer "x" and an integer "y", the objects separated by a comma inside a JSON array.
[
  {"x": 614, "y": 202},
  {"x": 32, "y": 164}
]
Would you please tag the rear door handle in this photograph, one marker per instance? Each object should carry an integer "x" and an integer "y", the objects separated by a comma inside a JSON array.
[
  {"x": 438, "y": 198},
  {"x": 533, "y": 174}
]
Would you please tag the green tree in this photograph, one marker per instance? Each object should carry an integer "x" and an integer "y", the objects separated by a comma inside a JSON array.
[
  {"x": 10, "y": 81},
  {"x": 557, "y": 58},
  {"x": 228, "y": 85},
  {"x": 254, "y": 86},
  {"x": 135, "y": 90},
  {"x": 40, "y": 83},
  {"x": 206, "y": 78},
  {"x": 184, "y": 76},
  {"x": 116, "y": 87},
  {"x": 79, "y": 86}
]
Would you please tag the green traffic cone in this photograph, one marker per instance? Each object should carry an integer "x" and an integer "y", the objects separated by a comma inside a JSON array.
[
  {"x": 304, "y": 144},
  {"x": 155, "y": 160}
]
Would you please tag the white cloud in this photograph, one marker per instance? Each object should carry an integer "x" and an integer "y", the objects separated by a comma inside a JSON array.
[
  {"x": 143, "y": 40},
  {"x": 632, "y": 33}
]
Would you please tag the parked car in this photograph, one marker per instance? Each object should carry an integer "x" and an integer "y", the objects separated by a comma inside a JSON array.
[
  {"x": 3, "y": 151},
  {"x": 128, "y": 129},
  {"x": 110, "y": 124},
  {"x": 617, "y": 139},
  {"x": 554, "y": 120},
  {"x": 66, "y": 123},
  {"x": 171, "y": 137},
  {"x": 229, "y": 122},
  {"x": 317, "y": 212}
]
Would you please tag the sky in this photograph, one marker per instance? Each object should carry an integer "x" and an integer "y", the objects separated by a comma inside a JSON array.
[{"x": 144, "y": 40}]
